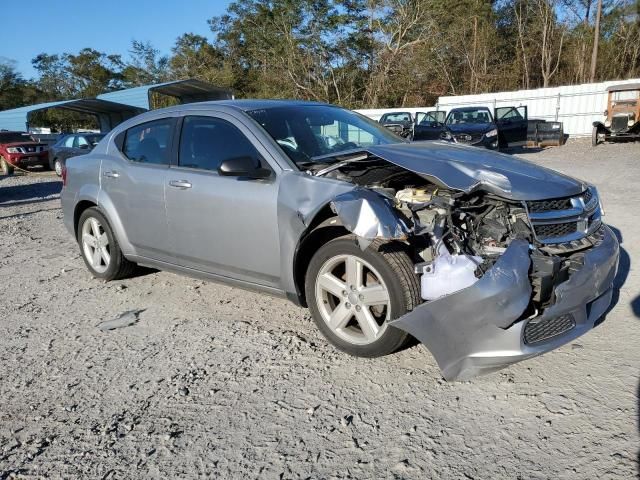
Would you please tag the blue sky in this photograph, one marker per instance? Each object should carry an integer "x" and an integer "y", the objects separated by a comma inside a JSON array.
[{"x": 109, "y": 26}]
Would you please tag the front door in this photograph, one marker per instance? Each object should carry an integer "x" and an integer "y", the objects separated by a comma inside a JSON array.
[
  {"x": 219, "y": 224},
  {"x": 429, "y": 125},
  {"x": 512, "y": 126},
  {"x": 133, "y": 180}
]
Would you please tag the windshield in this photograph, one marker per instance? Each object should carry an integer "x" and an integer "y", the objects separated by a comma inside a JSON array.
[
  {"x": 396, "y": 117},
  {"x": 310, "y": 131},
  {"x": 14, "y": 137},
  {"x": 476, "y": 115}
]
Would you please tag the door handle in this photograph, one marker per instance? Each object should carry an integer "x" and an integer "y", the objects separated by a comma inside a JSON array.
[
  {"x": 180, "y": 184},
  {"x": 111, "y": 174}
]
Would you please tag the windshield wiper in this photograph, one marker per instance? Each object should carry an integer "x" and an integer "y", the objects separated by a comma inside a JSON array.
[
  {"x": 337, "y": 155},
  {"x": 337, "y": 165}
]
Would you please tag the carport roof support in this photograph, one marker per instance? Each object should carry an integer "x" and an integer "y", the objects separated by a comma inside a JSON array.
[
  {"x": 186, "y": 91},
  {"x": 109, "y": 113}
]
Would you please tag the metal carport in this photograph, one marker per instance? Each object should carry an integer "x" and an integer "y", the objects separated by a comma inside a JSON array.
[
  {"x": 185, "y": 91},
  {"x": 109, "y": 113}
]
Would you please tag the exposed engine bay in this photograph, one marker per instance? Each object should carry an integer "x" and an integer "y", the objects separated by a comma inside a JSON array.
[{"x": 455, "y": 237}]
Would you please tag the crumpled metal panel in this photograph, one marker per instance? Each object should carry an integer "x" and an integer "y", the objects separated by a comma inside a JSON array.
[
  {"x": 471, "y": 332},
  {"x": 457, "y": 326},
  {"x": 466, "y": 168},
  {"x": 300, "y": 198},
  {"x": 369, "y": 215}
]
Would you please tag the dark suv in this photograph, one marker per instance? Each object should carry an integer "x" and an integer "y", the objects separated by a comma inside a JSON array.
[{"x": 19, "y": 149}]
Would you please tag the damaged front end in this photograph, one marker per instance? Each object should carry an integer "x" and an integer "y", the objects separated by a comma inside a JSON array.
[{"x": 502, "y": 278}]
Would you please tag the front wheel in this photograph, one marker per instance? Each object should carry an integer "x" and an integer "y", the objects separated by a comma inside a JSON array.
[
  {"x": 595, "y": 136},
  {"x": 354, "y": 294},
  {"x": 5, "y": 167},
  {"x": 100, "y": 250}
]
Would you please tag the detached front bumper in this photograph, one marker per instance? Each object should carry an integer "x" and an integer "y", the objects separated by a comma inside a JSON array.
[{"x": 472, "y": 332}]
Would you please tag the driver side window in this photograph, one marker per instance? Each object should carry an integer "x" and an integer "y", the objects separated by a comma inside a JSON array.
[{"x": 206, "y": 142}]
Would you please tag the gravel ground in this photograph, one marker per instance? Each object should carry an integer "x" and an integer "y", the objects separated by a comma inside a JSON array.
[{"x": 214, "y": 381}]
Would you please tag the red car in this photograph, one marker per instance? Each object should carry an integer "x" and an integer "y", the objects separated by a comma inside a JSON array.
[{"x": 18, "y": 149}]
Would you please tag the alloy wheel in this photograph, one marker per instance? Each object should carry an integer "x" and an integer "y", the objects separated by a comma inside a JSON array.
[
  {"x": 353, "y": 300},
  {"x": 95, "y": 245}
]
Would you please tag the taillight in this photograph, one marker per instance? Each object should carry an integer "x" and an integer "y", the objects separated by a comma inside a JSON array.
[{"x": 64, "y": 175}]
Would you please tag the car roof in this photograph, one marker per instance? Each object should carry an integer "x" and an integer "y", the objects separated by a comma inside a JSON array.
[
  {"x": 257, "y": 104},
  {"x": 468, "y": 109}
]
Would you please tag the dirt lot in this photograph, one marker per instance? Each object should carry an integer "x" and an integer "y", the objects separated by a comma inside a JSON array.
[{"x": 215, "y": 381}]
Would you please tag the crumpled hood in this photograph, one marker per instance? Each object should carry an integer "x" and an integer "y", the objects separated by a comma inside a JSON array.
[
  {"x": 466, "y": 168},
  {"x": 471, "y": 128}
]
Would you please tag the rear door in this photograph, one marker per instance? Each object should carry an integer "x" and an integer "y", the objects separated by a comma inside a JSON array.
[
  {"x": 429, "y": 125},
  {"x": 133, "y": 180},
  {"x": 512, "y": 126},
  {"x": 223, "y": 225}
]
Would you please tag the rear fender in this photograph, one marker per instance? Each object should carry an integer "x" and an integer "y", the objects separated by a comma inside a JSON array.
[{"x": 108, "y": 209}]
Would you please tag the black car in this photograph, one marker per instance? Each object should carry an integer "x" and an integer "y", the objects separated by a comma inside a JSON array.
[
  {"x": 71, "y": 146},
  {"x": 476, "y": 126},
  {"x": 429, "y": 125}
]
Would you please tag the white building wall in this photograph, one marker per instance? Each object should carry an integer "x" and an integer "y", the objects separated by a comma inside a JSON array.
[{"x": 576, "y": 106}]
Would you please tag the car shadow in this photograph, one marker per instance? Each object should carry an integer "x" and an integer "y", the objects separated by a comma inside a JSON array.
[
  {"x": 624, "y": 267},
  {"x": 29, "y": 193}
]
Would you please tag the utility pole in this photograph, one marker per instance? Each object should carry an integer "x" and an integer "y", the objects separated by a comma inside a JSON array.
[{"x": 596, "y": 38}]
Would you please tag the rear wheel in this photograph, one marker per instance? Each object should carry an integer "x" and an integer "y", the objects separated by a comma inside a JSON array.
[
  {"x": 354, "y": 294},
  {"x": 100, "y": 250},
  {"x": 5, "y": 167}
]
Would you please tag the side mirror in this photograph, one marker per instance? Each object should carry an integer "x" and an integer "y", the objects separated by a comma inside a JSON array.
[
  {"x": 605, "y": 113},
  {"x": 248, "y": 167}
]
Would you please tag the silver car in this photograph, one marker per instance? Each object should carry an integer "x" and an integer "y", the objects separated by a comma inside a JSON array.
[{"x": 485, "y": 259}]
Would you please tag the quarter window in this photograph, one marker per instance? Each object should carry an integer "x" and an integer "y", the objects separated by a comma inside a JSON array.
[
  {"x": 206, "y": 142},
  {"x": 149, "y": 142}
]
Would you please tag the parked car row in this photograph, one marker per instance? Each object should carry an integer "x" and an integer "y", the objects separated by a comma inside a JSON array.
[
  {"x": 505, "y": 127},
  {"x": 23, "y": 150}
]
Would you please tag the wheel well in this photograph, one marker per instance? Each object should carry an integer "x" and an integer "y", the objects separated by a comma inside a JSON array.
[
  {"x": 324, "y": 228},
  {"x": 80, "y": 207}
]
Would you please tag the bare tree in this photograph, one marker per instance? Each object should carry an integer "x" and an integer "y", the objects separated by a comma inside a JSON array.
[{"x": 596, "y": 38}]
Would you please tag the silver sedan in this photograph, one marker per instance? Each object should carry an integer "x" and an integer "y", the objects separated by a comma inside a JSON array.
[{"x": 484, "y": 258}]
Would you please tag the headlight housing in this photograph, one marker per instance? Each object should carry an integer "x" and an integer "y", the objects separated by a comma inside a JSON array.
[
  {"x": 14, "y": 150},
  {"x": 492, "y": 133}
]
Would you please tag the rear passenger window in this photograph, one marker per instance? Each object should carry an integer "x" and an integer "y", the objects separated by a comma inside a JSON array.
[
  {"x": 149, "y": 142},
  {"x": 206, "y": 142}
]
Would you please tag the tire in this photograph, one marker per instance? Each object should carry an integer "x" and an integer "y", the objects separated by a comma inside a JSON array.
[
  {"x": 385, "y": 266},
  {"x": 5, "y": 167},
  {"x": 594, "y": 136},
  {"x": 57, "y": 167},
  {"x": 116, "y": 265}
]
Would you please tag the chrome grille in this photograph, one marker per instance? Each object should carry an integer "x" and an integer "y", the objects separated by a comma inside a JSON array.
[
  {"x": 466, "y": 138},
  {"x": 540, "y": 330},
  {"x": 562, "y": 220}
]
